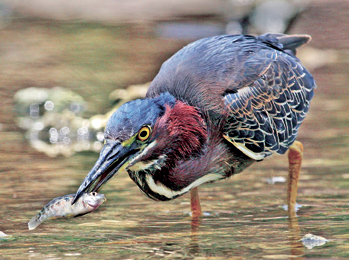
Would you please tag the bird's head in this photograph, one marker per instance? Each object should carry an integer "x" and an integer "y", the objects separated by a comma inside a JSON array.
[{"x": 145, "y": 136}]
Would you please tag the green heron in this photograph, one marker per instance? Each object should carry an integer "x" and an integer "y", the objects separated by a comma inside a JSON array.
[{"x": 215, "y": 107}]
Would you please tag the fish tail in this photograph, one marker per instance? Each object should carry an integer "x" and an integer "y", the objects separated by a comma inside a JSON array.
[
  {"x": 36, "y": 221},
  {"x": 33, "y": 223}
]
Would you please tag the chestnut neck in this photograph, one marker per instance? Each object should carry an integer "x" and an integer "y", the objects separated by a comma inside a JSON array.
[{"x": 181, "y": 132}]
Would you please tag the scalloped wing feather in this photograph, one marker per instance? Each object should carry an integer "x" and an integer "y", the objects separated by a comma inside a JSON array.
[{"x": 264, "y": 116}]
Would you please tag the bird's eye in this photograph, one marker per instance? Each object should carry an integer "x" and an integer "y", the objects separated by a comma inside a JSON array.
[{"x": 144, "y": 133}]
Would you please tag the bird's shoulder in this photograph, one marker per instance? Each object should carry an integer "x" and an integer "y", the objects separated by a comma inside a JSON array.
[{"x": 203, "y": 71}]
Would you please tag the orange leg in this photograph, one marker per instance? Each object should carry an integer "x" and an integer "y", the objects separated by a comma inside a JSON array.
[
  {"x": 195, "y": 203},
  {"x": 295, "y": 156}
]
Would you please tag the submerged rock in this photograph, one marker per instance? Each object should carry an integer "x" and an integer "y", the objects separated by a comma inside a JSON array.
[
  {"x": 277, "y": 179},
  {"x": 132, "y": 92},
  {"x": 3, "y": 236},
  {"x": 53, "y": 119},
  {"x": 310, "y": 241},
  {"x": 296, "y": 207},
  {"x": 31, "y": 104}
]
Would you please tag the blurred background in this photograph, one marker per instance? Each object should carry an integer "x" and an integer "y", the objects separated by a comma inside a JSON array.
[{"x": 65, "y": 66}]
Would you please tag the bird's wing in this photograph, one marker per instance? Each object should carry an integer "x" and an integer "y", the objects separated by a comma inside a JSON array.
[
  {"x": 265, "y": 89},
  {"x": 264, "y": 116}
]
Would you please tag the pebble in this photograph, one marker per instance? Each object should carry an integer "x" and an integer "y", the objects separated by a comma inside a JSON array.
[{"x": 310, "y": 241}]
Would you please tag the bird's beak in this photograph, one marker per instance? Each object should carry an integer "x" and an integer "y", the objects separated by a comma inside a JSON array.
[{"x": 111, "y": 159}]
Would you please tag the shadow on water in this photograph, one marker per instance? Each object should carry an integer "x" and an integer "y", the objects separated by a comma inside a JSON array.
[{"x": 244, "y": 215}]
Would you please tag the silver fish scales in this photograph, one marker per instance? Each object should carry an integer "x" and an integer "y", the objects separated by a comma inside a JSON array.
[{"x": 61, "y": 207}]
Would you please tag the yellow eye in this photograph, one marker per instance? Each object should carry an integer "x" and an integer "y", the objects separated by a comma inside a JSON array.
[{"x": 144, "y": 133}]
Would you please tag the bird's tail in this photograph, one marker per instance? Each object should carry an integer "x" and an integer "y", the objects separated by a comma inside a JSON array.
[{"x": 290, "y": 42}]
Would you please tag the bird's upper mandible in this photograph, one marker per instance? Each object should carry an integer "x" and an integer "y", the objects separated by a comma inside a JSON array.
[{"x": 256, "y": 83}]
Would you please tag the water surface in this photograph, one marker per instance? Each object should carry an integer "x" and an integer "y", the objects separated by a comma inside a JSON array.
[{"x": 244, "y": 217}]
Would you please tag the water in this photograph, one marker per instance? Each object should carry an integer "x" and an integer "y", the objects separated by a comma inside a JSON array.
[{"x": 244, "y": 216}]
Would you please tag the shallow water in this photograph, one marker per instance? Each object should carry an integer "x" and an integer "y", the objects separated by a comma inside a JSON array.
[{"x": 244, "y": 217}]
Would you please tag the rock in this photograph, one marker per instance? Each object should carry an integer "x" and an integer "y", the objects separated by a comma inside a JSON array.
[
  {"x": 277, "y": 179},
  {"x": 310, "y": 241}
]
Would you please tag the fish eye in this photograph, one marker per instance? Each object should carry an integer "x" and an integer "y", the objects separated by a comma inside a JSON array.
[{"x": 144, "y": 133}]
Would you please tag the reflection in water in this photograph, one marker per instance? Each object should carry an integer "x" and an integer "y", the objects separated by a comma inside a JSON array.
[
  {"x": 297, "y": 248},
  {"x": 195, "y": 232}
]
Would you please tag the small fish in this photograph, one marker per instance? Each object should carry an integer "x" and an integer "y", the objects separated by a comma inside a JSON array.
[{"x": 61, "y": 207}]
